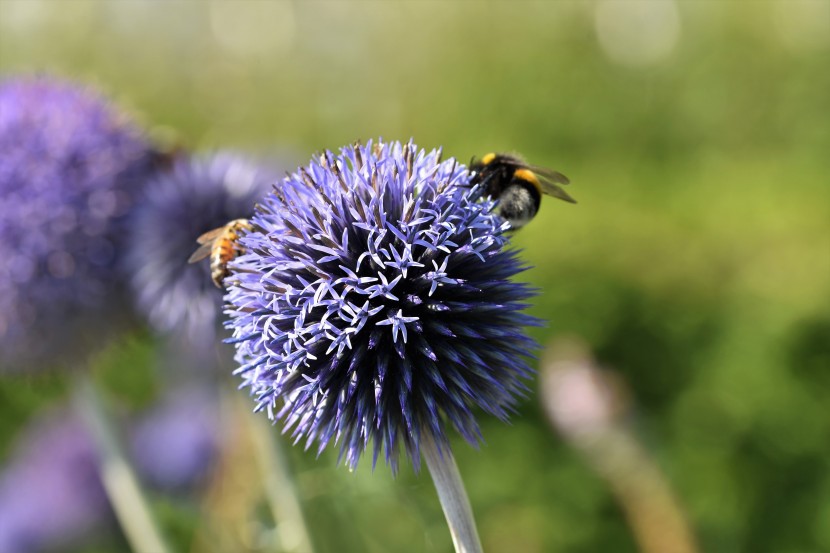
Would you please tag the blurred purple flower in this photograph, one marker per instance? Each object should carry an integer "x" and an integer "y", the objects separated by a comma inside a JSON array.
[
  {"x": 582, "y": 400},
  {"x": 376, "y": 303},
  {"x": 50, "y": 493},
  {"x": 175, "y": 445},
  {"x": 70, "y": 165},
  {"x": 197, "y": 195}
]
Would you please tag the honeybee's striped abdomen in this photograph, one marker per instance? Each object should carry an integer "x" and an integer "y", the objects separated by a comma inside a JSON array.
[{"x": 223, "y": 246}]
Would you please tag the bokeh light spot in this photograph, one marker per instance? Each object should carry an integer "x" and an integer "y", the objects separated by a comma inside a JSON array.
[
  {"x": 637, "y": 33},
  {"x": 61, "y": 264},
  {"x": 802, "y": 25},
  {"x": 252, "y": 28}
]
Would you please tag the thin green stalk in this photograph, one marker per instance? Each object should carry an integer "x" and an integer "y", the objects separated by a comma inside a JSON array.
[
  {"x": 279, "y": 486},
  {"x": 453, "y": 496},
  {"x": 119, "y": 481},
  {"x": 654, "y": 514}
]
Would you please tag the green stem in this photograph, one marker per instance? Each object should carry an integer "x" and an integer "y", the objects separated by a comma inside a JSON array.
[
  {"x": 452, "y": 495},
  {"x": 119, "y": 481},
  {"x": 279, "y": 487}
]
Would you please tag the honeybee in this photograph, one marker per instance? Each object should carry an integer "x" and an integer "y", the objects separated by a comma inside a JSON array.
[
  {"x": 517, "y": 185},
  {"x": 222, "y": 245}
]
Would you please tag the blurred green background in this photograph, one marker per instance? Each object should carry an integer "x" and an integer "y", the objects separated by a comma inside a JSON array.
[{"x": 697, "y": 262}]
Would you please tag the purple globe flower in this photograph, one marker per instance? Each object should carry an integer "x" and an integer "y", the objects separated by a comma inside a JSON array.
[
  {"x": 176, "y": 443},
  {"x": 197, "y": 195},
  {"x": 376, "y": 303},
  {"x": 50, "y": 493},
  {"x": 70, "y": 164}
]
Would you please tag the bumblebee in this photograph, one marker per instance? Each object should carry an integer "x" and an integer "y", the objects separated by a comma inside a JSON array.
[
  {"x": 222, "y": 245},
  {"x": 517, "y": 185}
]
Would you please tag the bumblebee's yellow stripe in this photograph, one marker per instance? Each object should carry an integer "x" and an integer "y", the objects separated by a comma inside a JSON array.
[
  {"x": 528, "y": 176},
  {"x": 487, "y": 159}
]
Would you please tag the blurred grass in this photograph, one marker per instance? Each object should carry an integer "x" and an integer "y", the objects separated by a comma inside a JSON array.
[{"x": 697, "y": 262}]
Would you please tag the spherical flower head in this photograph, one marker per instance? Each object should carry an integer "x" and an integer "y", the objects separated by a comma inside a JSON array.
[
  {"x": 175, "y": 444},
  {"x": 375, "y": 302},
  {"x": 197, "y": 195},
  {"x": 70, "y": 164},
  {"x": 51, "y": 495}
]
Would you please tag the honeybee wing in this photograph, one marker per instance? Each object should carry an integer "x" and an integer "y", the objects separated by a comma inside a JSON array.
[
  {"x": 550, "y": 182},
  {"x": 206, "y": 240},
  {"x": 211, "y": 235},
  {"x": 201, "y": 253}
]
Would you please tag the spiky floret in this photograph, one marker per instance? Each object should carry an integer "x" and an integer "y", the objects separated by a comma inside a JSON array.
[
  {"x": 198, "y": 194},
  {"x": 71, "y": 164},
  {"x": 376, "y": 303}
]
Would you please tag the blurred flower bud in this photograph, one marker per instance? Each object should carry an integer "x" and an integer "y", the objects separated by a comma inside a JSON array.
[
  {"x": 579, "y": 398},
  {"x": 50, "y": 492},
  {"x": 175, "y": 444},
  {"x": 71, "y": 165}
]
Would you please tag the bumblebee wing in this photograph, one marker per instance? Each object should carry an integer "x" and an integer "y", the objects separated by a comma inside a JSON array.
[
  {"x": 550, "y": 182},
  {"x": 556, "y": 191},
  {"x": 201, "y": 253},
  {"x": 549, "y": 175},
  {"x": 553, "y": 189}
]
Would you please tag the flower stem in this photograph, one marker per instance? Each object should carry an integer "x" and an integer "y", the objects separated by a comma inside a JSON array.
[
  {"x": 452, "y": 495},
  {"x": 119, "y": 481},
  {"x": 653, "y": 512},
  {"x": 279, "y": 487}
]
